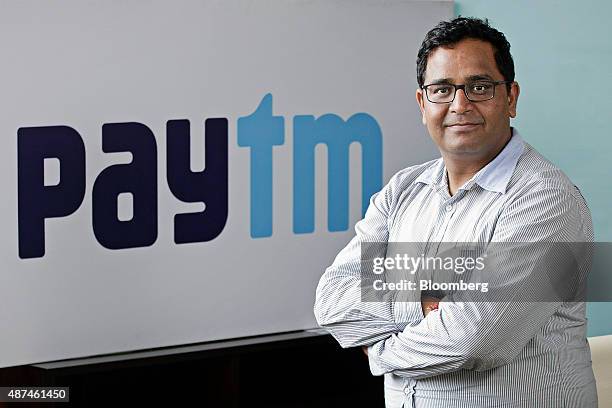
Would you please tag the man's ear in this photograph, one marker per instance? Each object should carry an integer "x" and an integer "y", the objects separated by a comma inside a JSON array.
[
  {"x": 515, "y": 90},
  {"x": 421, "y": 102}
]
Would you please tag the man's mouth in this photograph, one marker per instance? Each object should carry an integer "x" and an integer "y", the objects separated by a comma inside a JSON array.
[{"x": 463, "y": 126}]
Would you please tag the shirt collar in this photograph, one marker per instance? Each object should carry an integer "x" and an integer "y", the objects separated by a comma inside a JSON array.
[{"x": 493, "y": 177}]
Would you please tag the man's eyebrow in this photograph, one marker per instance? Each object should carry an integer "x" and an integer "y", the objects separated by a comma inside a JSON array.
[
  {"x": 477, "y": 77},
  {"x": 441, "y": 81}
]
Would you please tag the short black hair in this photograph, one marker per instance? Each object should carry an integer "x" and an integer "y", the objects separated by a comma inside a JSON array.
[{"x": 451, "y": 32}]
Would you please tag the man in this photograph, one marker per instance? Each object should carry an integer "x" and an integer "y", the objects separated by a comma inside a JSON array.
[{"x": 489, "y": 186}]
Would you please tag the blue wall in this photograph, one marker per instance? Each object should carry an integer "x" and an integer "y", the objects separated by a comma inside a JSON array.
[{"x": 563, "y": 57}]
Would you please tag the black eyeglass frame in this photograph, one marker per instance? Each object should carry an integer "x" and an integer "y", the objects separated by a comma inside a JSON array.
[{"x": 462, "y": 86}]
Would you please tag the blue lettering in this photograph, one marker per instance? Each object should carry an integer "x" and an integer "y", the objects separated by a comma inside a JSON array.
[
  {"x": 260, "y": 131},
  {"x": 331, "y": 130}
]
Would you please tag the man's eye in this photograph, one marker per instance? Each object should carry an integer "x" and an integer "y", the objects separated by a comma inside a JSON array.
[
  {"x": 480, "y": 88},
  {"x": 441, "y": 90}
]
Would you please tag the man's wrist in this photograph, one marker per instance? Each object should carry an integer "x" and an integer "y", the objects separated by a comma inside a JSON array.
[{"x": 429, "y": 304}]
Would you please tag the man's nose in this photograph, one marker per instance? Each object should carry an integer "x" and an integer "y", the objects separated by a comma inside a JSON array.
[{"x": 461, "y": 103}]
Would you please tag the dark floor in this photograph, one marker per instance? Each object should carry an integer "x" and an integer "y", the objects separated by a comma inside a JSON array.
[{"x": 309, "y": 372}]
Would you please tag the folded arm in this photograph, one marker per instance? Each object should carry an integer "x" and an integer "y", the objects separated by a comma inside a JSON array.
[
  {"x": 339, "y": 307},
  {"x": 481, "y": 335}
]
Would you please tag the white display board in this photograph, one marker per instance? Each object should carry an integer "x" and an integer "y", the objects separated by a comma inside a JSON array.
[{"x": 104, "y": 169}]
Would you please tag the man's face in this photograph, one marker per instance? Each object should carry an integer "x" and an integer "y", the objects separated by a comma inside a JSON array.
[{"x": 464, "y": 129}]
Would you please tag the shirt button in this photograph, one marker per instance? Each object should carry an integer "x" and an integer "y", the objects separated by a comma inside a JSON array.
[
  {"x": 449, "y": 208},
  {"x": 407, "y": 391}
]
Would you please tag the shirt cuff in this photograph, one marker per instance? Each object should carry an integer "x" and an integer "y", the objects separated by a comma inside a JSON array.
[
  {"x": 406, "y": 313},
  {"x": 375, "y": 368}
]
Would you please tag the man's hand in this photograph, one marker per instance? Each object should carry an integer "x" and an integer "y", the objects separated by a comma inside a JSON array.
[{"x": 429, "y": 303}]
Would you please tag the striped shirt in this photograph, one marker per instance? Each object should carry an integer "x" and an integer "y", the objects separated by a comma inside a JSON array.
[{"x": 475, "y": 354}]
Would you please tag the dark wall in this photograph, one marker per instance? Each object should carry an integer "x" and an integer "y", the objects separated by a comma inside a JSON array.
[{"x": 309, "y": 372}]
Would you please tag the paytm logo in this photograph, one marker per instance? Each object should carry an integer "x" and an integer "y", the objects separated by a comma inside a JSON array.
[{"x": 136, "y": 182}]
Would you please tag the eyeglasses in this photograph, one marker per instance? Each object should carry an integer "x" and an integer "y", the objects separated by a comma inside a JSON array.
[{"x": 476, "y": 91}]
